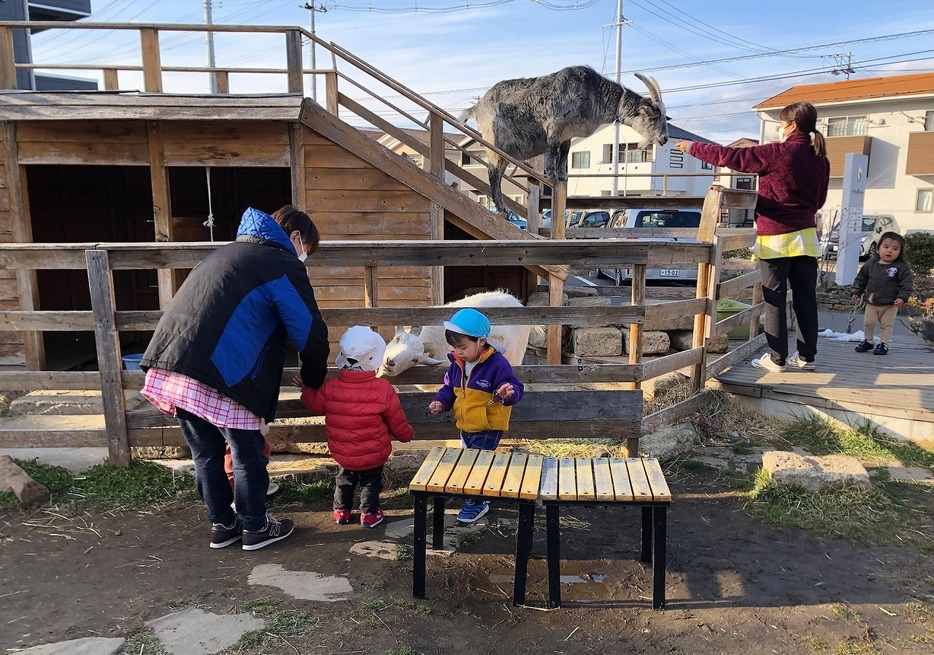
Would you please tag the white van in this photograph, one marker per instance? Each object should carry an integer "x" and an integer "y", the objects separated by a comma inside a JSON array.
[{"x": 650, "y": 219}]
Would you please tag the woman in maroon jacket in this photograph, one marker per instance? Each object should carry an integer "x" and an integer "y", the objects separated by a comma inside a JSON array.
[
  {"x": 362, "y": 414},
  {"x": 793, "y": 178}
]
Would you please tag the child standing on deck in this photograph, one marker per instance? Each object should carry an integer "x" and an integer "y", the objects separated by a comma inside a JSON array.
[
  {"x": 480, "y": 387},
  {"x": 886, "y": 280},
  {"x": 362, "y": 414}
]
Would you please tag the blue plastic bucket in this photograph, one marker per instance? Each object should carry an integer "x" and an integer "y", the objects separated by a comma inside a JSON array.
[{"x": 131, "y": 362}]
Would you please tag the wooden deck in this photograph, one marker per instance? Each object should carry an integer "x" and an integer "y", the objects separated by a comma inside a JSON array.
[{"x": 895, "y": 392}]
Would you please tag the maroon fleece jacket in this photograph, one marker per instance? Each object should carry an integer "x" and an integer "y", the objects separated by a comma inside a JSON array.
[{"x": 792, "y": 179}]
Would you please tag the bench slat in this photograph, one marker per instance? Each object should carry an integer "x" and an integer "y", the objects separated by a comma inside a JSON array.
[
  {"x": 494, "y": 481},
  {"x": 640, "y": 482},
  {"x": 443, "y": 471},
  {"x": 513, "y": 481},
  {"x": 455, "y": 483},
  {"x": 426, "y": 469},
  {"x": 481, "y": 467},
  {"x": 585, "y": 484},
  {"x": 621, "y": 483},
  {"x": 548, "y": 490},
  {"x": 532, "y": 478},
  {"x": 603, "y": 479},
  {"x": 653, "y": 472},
  {"x": 567, "y": 485}
]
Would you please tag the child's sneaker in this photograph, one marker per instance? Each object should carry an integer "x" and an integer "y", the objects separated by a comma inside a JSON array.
[
  {"x": 272, "y": 489},
  {"x": 880, "y": 349},
  {"x": 767, "y": 363},
  {"x": 371, "y": 519},
  {"x": 797, "y": 361},
  {"x": 273, "y": 532},
  {"x": 222, "y": 536},
  {"x": 342, "y": 516},
  {"x": 864, "y": 347},
  {"x": 472, "y": 511}
]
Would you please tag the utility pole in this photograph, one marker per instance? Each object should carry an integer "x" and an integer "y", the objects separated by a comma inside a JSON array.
[
  {"x": 841, "y": 68},
  {"x": 310, "y": 6},
  {"x": 209, "y": 41},
  {"x": 620, "y": 21}
]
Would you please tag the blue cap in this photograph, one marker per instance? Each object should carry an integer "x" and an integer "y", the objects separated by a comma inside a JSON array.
[{"x": 469, "y": 322}]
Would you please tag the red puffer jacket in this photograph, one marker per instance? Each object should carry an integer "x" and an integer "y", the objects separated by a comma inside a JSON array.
[{"x": 362, "y": 414}]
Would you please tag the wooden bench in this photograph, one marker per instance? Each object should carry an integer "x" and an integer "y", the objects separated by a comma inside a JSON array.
[{"x": 526, "y": 478}]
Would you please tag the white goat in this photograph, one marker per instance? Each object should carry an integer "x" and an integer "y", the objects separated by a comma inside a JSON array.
[{"x": 426, "y": 345}]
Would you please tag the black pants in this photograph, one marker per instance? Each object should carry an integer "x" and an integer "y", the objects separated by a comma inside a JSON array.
[
  {"x": 777, "y": 275},
  {"x": 371, "y": 484}
]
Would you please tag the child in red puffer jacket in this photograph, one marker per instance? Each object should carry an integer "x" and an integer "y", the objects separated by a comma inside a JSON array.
[{"x": 362, "y": 414}]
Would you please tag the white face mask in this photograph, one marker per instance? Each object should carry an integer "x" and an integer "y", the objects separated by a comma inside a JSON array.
[
  {"x": 300, "y": 251},
  {"x": 303, "y": 256}
]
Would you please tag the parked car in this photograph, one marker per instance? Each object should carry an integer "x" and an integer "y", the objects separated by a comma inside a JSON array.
[
  {"x": 873, "y": 226},
  {"x": 516, "y": 220},
  {"x": 655, "y": 218},
  {"x": 546, "y": 219},
  {"x": 587, "y": 218}
]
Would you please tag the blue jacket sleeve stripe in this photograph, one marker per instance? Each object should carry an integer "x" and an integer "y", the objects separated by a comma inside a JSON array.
[
  {"x": 239, "y": 348},
  {"x": 293, "y": 310}
]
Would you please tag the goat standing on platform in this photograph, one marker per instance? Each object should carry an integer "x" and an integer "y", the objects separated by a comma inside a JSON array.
[{"x": 531, "y": 116}]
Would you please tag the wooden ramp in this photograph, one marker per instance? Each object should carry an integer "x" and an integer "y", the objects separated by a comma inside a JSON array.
[{"x": 894, "y": 392}]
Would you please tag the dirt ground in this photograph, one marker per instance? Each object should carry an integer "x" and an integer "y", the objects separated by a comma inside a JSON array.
[{"x": 734, "y": 585}]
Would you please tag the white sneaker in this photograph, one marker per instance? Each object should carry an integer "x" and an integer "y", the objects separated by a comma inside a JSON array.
[
  {"x": 273, "y": 488},
  {"x": 765, "y": 362},
  {"x": 796, "y": 361}
]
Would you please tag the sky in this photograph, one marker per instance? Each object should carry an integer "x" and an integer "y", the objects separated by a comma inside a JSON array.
[{"x": 451, "y": 51}]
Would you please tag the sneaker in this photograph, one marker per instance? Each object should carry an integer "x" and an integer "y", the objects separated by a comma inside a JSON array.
[
  {"x": 273, "y": 532},
  {"x": 797, "y": 361},
  {"x": 342, "y": 516},
  {"x": 222, "y": 536},
  {"x": 767, "y": 363},
  {"x": 472, "y": 511},
  {"x": 273, "y": 488},
  {"x": 864, "y": 347},
  {"x": 880, "y": 349},
  {"x": 371, "y": 519}
]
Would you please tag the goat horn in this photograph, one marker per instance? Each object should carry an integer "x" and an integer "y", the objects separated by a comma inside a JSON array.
[{"x": 651, "y": 85}]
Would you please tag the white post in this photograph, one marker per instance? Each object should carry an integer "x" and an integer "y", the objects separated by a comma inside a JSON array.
[
  {"x": 209, "y": 41},
  {"x": 855, "y": 169},
  {"x": 619, "y": 58}
]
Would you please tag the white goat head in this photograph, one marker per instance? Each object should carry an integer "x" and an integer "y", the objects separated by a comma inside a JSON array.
[{"x": 404, "y": 351}]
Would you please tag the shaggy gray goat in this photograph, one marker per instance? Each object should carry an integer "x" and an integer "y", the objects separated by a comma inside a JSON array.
[{"x": 535, "y": 115}]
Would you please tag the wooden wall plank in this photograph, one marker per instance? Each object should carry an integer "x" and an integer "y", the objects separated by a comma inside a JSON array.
[
  {"x": 351, "y": 178},
  {"x": 226, "y": 143},
  {"x": 366, "y": 201}
]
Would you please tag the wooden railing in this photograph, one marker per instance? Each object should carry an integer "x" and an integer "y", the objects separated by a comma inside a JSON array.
[{"x": 579, "y": 409}]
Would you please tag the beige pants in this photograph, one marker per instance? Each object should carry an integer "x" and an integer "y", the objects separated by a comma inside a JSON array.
[{"x": 884, "y": 315}]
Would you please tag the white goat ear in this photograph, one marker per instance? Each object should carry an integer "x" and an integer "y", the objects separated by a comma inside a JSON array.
[
  {"x": 400, "y": 330},
  {"x": 428, "y": 360},
  {"x": 415, "y": 330}
]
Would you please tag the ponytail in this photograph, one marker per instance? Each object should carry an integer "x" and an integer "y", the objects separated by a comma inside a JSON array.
[
  {"x": 820, "y": 144},
  {"x": 804, "y": 116}
]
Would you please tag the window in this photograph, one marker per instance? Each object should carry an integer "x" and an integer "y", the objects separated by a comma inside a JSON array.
[
  {"x": 580, "y": 159},
  {"x": 846, "y": 126},
  {"x": 607, "y": 153},
  {"x": 483, "y": 201},
  {"x": 465, "y": 159},
  {"x": 925, "y": 201},
  {"x": 632, "y": 154},
  {"x": 929, "y": 120},
  {"x": 705, "y": 166},
  {"x": 744, "y": 183}
]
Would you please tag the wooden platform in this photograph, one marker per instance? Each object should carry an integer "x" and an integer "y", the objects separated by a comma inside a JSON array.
[{"x": 894, "y": 392}]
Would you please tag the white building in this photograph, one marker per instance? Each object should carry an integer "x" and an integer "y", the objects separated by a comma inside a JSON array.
[{"x": 890, "y": 119}]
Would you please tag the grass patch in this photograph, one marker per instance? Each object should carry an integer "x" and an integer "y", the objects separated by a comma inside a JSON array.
[
  {"x": 816, "y": 645},
  {"x": 107, "y": 486},
  {"x": 141, "y": 640},
  {"x": 281, "y": 624},
  {"x": 863, "y": 516},
  {"x": 296, "y": 491},
  {"x": 866, "y": 442},
  {"x": 574, "y": 447}
]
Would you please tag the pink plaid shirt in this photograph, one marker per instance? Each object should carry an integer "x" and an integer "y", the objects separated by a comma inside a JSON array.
[{"x": 168, "y": 390}]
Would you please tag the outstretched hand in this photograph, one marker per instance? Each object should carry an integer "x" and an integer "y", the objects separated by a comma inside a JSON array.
[
  {"x": 506, "y": 391},
  {"x": 683, "y": 146},
  {"x": 854, "y": 297},
  {"x": 435, "y": 407}
]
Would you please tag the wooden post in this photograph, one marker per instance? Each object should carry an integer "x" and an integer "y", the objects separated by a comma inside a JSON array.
[
  {"x": 707, "y": 278},
  {"x": 161, "y": 210},
  {"x": 330, "y": 93},
  {"x": 293, "y": 59},
  {"x": 436, "y": 233},
  {"x": 436, "y": 146},
  {"x": 152, "y": 60},
  {"x": 107, "y": 339},
  {"x": 534, "y": 216},
  {"x": 222, "y": 80},
  {"x": 297, "y": 163},
  {"x": 558, "y": 205},
  {"x": 27, "y": 288},
  {"x": 370, "y": 287},
  {"x": 756, "y": 315},
  {"x": 111, "y": 79},
  {"x": 7, "y": 59},
  {"x": 636, "y": 342},
  {"x": 555, "y": 284}
]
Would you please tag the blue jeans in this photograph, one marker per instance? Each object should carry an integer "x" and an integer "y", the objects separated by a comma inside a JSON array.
[
  {"x": 207, "y": 443},
  {"x": 486, "y": 440}
]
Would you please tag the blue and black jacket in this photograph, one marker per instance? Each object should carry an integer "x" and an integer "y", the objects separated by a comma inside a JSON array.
[{"x": 227, "y": 325}]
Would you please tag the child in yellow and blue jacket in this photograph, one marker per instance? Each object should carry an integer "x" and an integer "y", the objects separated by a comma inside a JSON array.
[{"x": 480, "y": 387}]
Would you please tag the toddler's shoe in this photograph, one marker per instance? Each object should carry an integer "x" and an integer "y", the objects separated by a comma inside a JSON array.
[
  {"x": 472, "y": 511},
  {"x": 767, "y": 363},
  {"x": 880, "y": 349},
  {"x": 864, "y": 347},
  {"x": 371, "y": 519},
  {"x": 342, "y": 516}
]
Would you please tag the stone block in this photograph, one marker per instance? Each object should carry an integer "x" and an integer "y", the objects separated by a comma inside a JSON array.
[
  {"x": 15, "y": 479},
  {"x": 589, "y": 301},
  {"x": 581, "y": 292},
  {"x": 653, "y": 342},
  {"x": 540, "y": 299},
  {"x": 683, "y": 340},
  {"x": 814, "y": 473},
  {"x": 596, "y": 342},
  {"x": 669, "y": 442},
  {"x": 538, "y": 336}
]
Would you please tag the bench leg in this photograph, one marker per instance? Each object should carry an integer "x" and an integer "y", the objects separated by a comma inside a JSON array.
[
  {"x": 553, "y": 541},
  {"x": 646, "y": 534},
  {"x": 418, "y": 557},
  {"x": 437, "y": 525},
  {"x": 523, "y": 550},
  {"x": 659, "y": 562}
]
